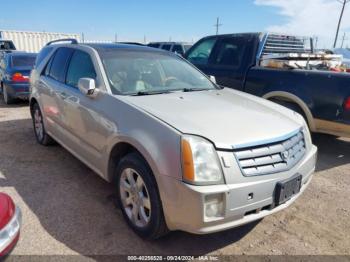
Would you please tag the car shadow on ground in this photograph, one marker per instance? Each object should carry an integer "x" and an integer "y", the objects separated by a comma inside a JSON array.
[
  {"x": 76, "y": 207},
  {"x": 332, "y": 151},
  {"x": 15, "y": 104}
]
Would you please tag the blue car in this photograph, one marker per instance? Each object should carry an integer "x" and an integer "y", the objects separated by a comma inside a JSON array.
[{"x": 15, "y": 69}]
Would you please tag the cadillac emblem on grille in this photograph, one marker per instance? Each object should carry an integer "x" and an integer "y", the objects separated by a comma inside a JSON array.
[{"x": 285, "y": 156}]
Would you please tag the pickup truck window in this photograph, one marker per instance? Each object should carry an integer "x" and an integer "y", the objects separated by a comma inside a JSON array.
[
  {"x": 229, "y": 52},
  {"x": 80, "y": 66},
  {"x": 200, "y": 54}
]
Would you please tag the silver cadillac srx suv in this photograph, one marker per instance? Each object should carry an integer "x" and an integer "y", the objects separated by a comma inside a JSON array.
[{"x": 184, "y": 153}]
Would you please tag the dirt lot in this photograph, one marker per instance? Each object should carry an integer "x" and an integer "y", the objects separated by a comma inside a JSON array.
[{"x": 67, "y": 209}]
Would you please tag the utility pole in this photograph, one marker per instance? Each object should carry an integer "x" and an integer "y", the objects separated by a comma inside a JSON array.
[
  {"x": 116, "y": 37},
  {"x": 217, "y": 25},
  {"x": 82, "y": 37},
  {"x": 344, "y": 2}
]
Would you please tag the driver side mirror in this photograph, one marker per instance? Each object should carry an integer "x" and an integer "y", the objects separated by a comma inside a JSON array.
[{"x": 88, "y": 87}]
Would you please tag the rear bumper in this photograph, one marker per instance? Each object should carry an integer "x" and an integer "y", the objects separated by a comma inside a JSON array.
[
  {"x": 184, "y": 205},
  {"x": 18, "y": 90},
  {"x": 10, "y": 233}
]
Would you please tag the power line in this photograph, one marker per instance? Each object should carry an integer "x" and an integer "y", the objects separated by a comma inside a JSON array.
[
  {"x": 344, "y": 2},
  {"x": 217, "y": 25}
]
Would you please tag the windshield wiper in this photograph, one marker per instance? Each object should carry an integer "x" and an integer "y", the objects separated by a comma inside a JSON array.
[
  {"x": 194, "y": 89},
  {"x": 147, "y": 93}
]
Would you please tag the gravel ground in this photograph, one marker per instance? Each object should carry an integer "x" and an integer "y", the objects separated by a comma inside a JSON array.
[{"x": 69, "y": 210}]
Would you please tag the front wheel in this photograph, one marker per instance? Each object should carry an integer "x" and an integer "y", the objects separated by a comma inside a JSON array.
[
  {"x": 39, "y": 129},
  {"x": 138, "y": 197}
]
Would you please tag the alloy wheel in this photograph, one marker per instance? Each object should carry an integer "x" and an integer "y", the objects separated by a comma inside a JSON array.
[
  {"x": 135, "y": 198},
  {"x": 38, "y": 124}
]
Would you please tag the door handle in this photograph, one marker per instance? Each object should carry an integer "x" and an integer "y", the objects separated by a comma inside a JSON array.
[{"x": 63, "y": 95}]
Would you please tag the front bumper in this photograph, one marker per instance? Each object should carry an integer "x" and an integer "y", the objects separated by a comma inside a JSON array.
[
  {"x": 10, "y": 233},
  {"x": 244, "y": 199}
]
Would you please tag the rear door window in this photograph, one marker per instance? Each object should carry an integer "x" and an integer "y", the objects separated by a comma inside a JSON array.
[
  {"x": 59, "y": 63},
  {"x": 80, "y": 66},
  {"x": 200, "y": 54}
]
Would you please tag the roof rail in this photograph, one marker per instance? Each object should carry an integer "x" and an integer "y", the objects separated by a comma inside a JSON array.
[{"x": 71, "y": 40}]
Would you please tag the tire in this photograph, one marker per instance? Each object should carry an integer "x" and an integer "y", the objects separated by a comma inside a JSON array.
[
  {"x": 39, "y": 129},
  {"x": 141, "y": 196},
  {"x": 7, "y": 98}
]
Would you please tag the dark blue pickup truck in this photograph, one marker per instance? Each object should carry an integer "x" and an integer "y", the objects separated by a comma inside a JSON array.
[{"x": 235, "y": 60}]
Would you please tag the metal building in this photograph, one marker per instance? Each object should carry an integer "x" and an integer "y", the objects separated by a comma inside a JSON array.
[{"x": 33, "y": 41}]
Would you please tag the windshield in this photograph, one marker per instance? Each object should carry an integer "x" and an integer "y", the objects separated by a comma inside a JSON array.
[
  {"x": 135, "y": 72},
  {"x": 23, "y": 61}
]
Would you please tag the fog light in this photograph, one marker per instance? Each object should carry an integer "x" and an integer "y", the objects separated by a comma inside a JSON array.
[{"x": 214, "y": 206}]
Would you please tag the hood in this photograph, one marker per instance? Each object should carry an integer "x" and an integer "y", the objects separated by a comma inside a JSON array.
[{"x": 228, "y": 118}]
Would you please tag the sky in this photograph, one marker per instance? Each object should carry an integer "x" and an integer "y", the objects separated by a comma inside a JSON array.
[{"x": 181, "y": 20}]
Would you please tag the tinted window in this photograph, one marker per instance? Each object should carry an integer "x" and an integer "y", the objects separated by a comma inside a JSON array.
[
  {"x": 23, "y": 61},
  {"x": 154, "y": 45},
  {"x": 43, "y": 53},
  {"x": 230, "y": 52},
  {"x": 200, "y": 54},
  {"x": 80, "y": 66},
  {"x": 59, "y": 63},
  {"x": 166, "y": 47},
  {"x": 178, "y": 49},
  {"x": 7, "y": 45}
]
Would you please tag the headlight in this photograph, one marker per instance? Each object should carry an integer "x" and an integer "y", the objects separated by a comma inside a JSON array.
[
  {"x": 307, "y": 134},
  {"x": 200, "y": 161}
]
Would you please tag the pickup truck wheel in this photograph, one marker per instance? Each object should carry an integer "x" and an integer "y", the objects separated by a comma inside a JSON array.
[
  {"x": 138, "y": 197},
  {"x": 39, "y": 129},
  {"x": 7, "y": 98}
]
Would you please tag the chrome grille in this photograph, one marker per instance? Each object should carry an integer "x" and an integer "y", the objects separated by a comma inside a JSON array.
[{"x": 271, "y": 158}]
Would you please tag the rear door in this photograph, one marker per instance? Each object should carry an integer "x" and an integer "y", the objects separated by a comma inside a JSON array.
[
  {"x": 84, "y": 120},
  {"x": 51, "y": 87}
]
